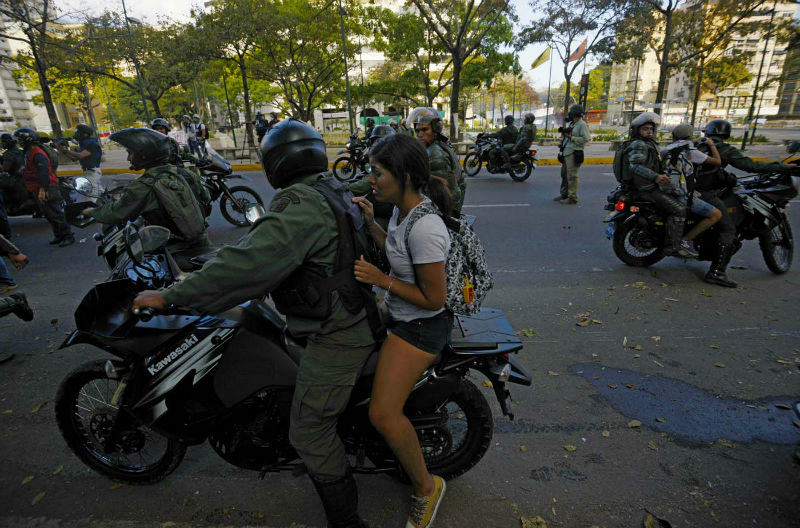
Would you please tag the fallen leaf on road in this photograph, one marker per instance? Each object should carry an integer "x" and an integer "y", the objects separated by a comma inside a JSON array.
[
  {"x": 168, "y": 524},
  {"x": 784, "y": 361},
  {"x": 661, "y": 420},
  {"x": 533, "y": 522},
  {"x": 596, "y": 377},
  {"x": 570, "y": 447},
  {"x": 612, "y": 386},
  {"x": 631, "y": 386},
  {"x": 624, "y": 341},
  {"x": 116, "y": 486},
  {"x": 796, "y": 423},
  {"x": 595, "y": 321},
  {"x": 659, "y": 364},
  {"x": 27, "y": 479},
  {"x": 528, "y": 332},
  {"x": 37, "y": 499},
  {"x": 652, "y": 445},
  {"x": 705, "y": 293},
  {"x": 656, "y": 338},
  {"x": 713, "y": 346},
  {"x": 58, "y": 470},
  {"x": 634, "y": 423},
  {"x": 651, "y": 521},
  {"x": 584, "y": 322},
  {"x": 719, "y": 365},
  {"x": 38, "y": 406},
  {"x": 671, "y": 299},
  {"x": 782, "y": 406},
  {"x": 54, "y": 322},
  {"x": 637, "y": 356},
  {"x": 487, "y": 384},
  {"x": 523, "y": 448},
  {"x": 552, "y": 373},
  {"x": 638, "y": 347},
  {"x": 606, "y": 434},
  {"x": 724, "y": 442}
]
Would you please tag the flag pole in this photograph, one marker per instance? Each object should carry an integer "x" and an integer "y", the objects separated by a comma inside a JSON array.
[{"x": 547, "y": 110}]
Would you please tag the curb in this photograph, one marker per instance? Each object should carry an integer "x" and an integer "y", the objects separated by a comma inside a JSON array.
[{"x": 257, "y": 166}]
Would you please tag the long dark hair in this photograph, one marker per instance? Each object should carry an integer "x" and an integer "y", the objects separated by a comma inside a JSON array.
[{"x": 400, "y": 155}]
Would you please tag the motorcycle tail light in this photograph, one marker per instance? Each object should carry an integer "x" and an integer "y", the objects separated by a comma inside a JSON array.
[
  {"x": 634, "y": 209},
  {"x": 620, "y": 205},
  {"x": 533, "y": 153}
]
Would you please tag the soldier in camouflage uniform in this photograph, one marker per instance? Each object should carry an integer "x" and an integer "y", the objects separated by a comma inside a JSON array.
[
  {"x": 150, "y": 150},
  {"x": 15, "y": 303},
  {"x": 299, "y": 232},
  {"x": 427, "y": 124},
  {"x": 710, "y": 180},
  {"x": 508, "y": 136}
]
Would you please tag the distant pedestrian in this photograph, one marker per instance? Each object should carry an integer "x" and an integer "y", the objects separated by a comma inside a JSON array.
[
  {"x": 40, "y": 179},
  {"x": 190, "y": 130},
  {"x": 574, "y": 137},
  {"x": 273, "y": 120},
  {"x": 201, "y": 133},
  {"x": 89, "y": 154},
  {"x": 261, "y": 125}
]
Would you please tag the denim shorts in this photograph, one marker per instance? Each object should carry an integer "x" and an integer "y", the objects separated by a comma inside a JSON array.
[
  {"x": 699, "y": 207},
  {"x": 429, "y": 334}
]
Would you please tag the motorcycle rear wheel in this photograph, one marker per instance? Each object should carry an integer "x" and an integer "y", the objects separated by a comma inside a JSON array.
[
  {"x": 521, "y": 171},
  {"x": 628, "y": 252},
  {"x": 344, "y": 169},
  {"x": 84, "y": 414},
  {"x": 235, "y": 212},
  {"x": 777, "y": 247},
  {"x": 472, "y": 164}
]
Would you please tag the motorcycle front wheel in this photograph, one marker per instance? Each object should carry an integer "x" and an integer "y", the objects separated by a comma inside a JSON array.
[
  {"x": 235, "y": 211},
  {"x": 521, "y": 171},
  {"x": 472, "y": 164},
  {"x": 777, "y": 247},
  {"x": 629, "y": 248},
  {"x": 85, "y": 415},
  {"x": 344, "y": 169}
]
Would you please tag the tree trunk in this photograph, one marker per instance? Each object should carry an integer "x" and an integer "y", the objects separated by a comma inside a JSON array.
[
  {"x": 568, "y": 80},
  {"x": 699, "y": 82},
  {"x": 665, "y": 65},
  {"x": 47, "y": 97},
  {"x": 156, "y": 107},
  {"x": 247, "y": 114},
  {"x": 457, "y": 64}
]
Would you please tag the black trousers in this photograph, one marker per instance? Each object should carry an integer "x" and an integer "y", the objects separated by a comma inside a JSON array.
[
  {"x": 54, "y": 213},
  {"x": 676, "y": 214},
  {"x": 725, "y": 228}
]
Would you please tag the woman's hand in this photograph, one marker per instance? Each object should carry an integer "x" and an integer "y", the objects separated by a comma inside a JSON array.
[
  {"x": 149, "y": 299},
  {"x": 366, "y": 272},
  {"x": 366, "y": 208}
]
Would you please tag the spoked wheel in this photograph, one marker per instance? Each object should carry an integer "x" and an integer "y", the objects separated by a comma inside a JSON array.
[
  {"x": 636, "y": 246},
  {"x": 235, "y": 211},
  {"x": 472, "y": 164},
  {"x": 521, "y": 171},
  {"x": 777, "y": 247},
  {"x": 463, "y": 435},
  {"x": 344, "y": 169},
  {"x": 86, "y": 413}
]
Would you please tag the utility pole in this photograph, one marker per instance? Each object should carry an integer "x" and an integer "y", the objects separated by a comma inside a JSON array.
[
  {"x": 346, "y": 72},
  {"x": 758, "y": 79},
  {"x": 135, "y": 62}
]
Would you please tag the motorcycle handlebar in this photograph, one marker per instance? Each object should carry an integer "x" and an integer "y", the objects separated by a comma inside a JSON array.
[{"x": 144, "y": 314}]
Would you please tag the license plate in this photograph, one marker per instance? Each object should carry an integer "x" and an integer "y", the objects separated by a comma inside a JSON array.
[
  {"x": 609, "y": 215},
  {"x": 610, "y": 228}
]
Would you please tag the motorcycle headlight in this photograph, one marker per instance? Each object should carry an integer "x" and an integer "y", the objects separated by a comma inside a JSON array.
[{"x": 347, "y": 145}]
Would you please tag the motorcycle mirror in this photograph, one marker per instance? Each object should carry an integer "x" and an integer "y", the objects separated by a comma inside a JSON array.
[
  {"x": 793, "y": 147},
  {"x": 153, "y": 237},
  {"x": 83, "y": 186},
  {"x": 254, "y": 212}
]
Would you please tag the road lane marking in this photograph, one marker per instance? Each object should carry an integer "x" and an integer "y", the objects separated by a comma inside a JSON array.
[{"x": 496, "y": 205}]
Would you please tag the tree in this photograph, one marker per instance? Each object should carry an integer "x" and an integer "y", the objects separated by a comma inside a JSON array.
[
  {"x": 678, "y": 31},
  {"x": 31, "y": 23},
  {"x": 461, "y": 26},
  {"x": 565, "y": 24},
  {"x": 302, "y": 57},
  {"x": 599, "y": 81}
]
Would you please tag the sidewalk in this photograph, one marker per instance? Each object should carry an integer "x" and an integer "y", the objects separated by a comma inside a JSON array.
[{"x": 115, "y": 160}]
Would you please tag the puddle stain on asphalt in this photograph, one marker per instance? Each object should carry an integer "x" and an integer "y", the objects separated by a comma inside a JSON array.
[{"x": 691, "y": 414}]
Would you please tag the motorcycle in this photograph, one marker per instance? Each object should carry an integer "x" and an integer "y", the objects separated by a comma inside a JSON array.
[
  {"x": 19, "y": 202},
  {"x": 234, "y": 200},
  {"x": 346, "y": 167},
  {"x": 181, "y": 378},
  {"x": 757, "y": 206},
  {"x": 488, "y": 150}
]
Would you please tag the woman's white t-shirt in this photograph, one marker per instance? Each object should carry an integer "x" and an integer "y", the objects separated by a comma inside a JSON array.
[{"x": 429, "y": 242}]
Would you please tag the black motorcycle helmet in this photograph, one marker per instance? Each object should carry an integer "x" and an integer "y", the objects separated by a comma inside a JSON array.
[
  {"x": 83, "y": 131},
  {"x": 380, "y": 132},
  {"x": 7, "y": 141},
  {"x": 160, "y": 122},
  {"x": 146, "y": 147},
  {"x": 26, "y": 136},
  {"x": 575, "y": 111},
  {"x": 508, "y": 120},
  {"x": 370, "y": 122},
  {"x": 291, "y": 149},
  {"x": 528, "y": 118},
  {"x": 718, "y": 128}
]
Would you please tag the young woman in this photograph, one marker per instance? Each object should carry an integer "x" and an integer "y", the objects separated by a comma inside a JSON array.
[{"x": 415, "y": 296}]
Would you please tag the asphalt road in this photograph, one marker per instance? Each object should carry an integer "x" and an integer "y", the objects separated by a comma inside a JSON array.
[{"x": 704, "y": 369}]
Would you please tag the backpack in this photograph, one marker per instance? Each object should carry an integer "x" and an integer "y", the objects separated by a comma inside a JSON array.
[
  {"x": 52, "y": 155},
  {"x": 468, "y": 276},
  {"x": 622, "y": 171},
  {"x": 178, "y": 203},
  {"x": 679, "y": 167}
]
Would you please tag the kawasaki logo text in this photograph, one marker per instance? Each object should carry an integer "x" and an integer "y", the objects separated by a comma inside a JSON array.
[{"x": 175, "y": 354}]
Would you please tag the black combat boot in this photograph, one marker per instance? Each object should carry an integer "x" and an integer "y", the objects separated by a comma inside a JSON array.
[
  {"x": 716, "y": 273},
  {"x": 340, "y": 500},
  {"x": 17, "y": 304}
]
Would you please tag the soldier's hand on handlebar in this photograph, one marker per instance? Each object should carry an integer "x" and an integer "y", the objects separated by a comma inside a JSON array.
[{"x": 149, "y": 299}]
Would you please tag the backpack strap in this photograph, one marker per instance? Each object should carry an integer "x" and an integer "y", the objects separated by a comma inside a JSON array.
[{"x": 418, "y": 212}]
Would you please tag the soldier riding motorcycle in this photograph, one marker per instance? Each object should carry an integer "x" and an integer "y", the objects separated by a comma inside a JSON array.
[{"x": 518, "y": 161}]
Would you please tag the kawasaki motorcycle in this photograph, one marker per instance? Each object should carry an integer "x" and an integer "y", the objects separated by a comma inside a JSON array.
[
  {"x": 488, "y": 151},
  {"x": 233, "y": 201},
  {"x": 346, "y": 168},
  {"x": 757, "y": 206},
  {"x": 179, "y": 378}
]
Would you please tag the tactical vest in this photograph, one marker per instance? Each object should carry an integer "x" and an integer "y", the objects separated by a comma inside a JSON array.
[
  {"x": 307, "y": 292},
  {"x": 177, "y": 202}
]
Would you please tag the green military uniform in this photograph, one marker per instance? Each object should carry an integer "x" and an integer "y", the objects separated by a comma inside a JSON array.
[
  {"x": 507, "y": 135},
  {"x": 444, "y": 164},
  {"x": 13, "y": 187},
  {"x": 139, "y": 198},
  {"x": 15, "y": 303},
  {"x": 299, "y": 229},
  {"x": 525, "y": 138},
  {"x": 569, "y": 169},
  {"x": 191, "y": 178}
]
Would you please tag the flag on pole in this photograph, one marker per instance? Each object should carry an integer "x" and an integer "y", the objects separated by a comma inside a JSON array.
[
  {"x": 578, "y": 53},
  {"x": 544, "y": 57}
]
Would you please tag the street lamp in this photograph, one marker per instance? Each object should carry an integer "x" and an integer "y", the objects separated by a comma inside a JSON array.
[{"x": 135, "y": 60}]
